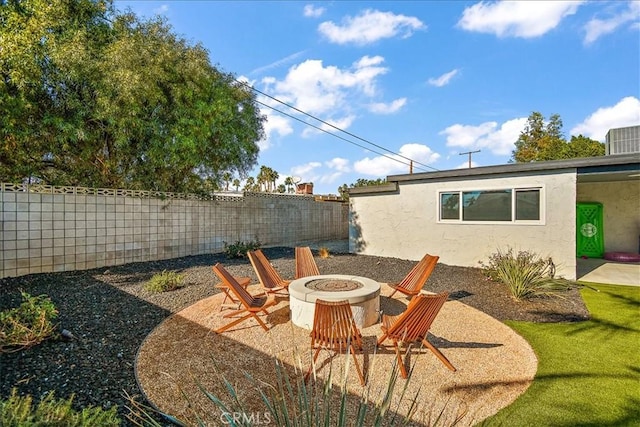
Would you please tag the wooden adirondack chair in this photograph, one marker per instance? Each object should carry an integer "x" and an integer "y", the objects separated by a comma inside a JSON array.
[
  {"x": 251, "y": 305},
  {"x": 413, "y": 325},
  {"x": 334, "y": 328},
  {"x": 414, "y": 281},
  {"x": 305, "y": 264},
  {"x": 270, "y": 280}
]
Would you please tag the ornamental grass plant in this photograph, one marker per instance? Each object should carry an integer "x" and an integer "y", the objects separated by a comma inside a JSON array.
[
  {"x": 28, "y": 324},
  {"x": 19, "y": 411},
  {"x": 526, "y": 274},
  {"x": 164, "y": 282},
  {"x": 290, "y": 401}
]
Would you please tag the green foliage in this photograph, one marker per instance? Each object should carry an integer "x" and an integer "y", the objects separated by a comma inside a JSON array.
[
  {"x": 525, "y": 274},
  {"x": 239, "y": 249},
  {"x": 19, "y": 411},
  {"x": 27, "y": 325},
  {"x": 165, "y": 281},
  {"x": 267, "y": 178},
  {"x": 361, "y": 182},
  {"x": 587, "y": 371},
  {"x": 93, "y": 97},
  {"x": 539, "y": 141}
]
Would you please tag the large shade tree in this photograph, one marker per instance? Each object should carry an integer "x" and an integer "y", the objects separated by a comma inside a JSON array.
[
  {"x": 95, "y": 97},
  {"x": 541, "y": 141}
]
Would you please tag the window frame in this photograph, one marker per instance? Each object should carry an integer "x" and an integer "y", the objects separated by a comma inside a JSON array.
[{"x": 514, "y": 191}]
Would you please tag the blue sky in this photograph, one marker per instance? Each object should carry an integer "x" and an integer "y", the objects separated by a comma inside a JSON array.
[{"x": 425, "y": 80}]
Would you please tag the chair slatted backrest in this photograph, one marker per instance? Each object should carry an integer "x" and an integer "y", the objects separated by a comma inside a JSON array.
[
  {"x": 305, "y": 264},
  {"x": 334, "y": 326},
  {"x": 235, "y": 287},
  {"x": 268, "y": 276},
  {"x": 417, "y": 277},
  {"x": 414, "y": 323}
]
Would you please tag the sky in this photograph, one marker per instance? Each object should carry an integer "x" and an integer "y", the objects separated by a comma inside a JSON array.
[{"x": 376, "y": 84}]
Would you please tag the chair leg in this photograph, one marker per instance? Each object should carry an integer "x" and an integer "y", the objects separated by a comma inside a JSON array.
[
  {"x": 264, "y": 326},
  {"x": 403, "y": 371},
  {"x": 232, "y": 324},
  {"x": 240, "y": 319},
  {"x": 355, "y": 361},
  {"x": 438, "y": 354}
]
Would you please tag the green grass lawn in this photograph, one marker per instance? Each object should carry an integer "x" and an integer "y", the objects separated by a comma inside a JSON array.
[{"x": 588, "y": 372}]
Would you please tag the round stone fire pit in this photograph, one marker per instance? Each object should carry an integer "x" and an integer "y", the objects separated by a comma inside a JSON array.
[{"x": 362, "y": 293}]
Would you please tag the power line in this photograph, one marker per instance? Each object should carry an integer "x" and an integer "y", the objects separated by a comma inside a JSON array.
[
  {"x": 334, "y": 127},
  {"x": 333, "y": 134}
]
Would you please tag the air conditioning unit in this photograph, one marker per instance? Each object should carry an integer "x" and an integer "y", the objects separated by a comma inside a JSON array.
[{"x": 623, "y": 140}]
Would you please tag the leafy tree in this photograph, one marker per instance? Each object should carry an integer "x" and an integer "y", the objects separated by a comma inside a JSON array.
[
  {"x": 281, "y": 188},
  {"x": 539, "y": 141},
  {"x": 236, "y": 183},
  {"x": 581, "y": 146},
  {"x": 90, "y": 96},
  {"x": 361, "y": 182}
]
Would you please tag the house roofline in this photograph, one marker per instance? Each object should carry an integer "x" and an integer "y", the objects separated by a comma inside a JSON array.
[{"x": 632, "y": 160}]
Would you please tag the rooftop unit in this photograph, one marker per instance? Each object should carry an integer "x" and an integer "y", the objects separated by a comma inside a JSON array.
[{"x": 623, "y": 140}]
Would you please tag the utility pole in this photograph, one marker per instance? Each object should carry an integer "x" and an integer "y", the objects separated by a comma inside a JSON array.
[{"x": 469, "y": 153}]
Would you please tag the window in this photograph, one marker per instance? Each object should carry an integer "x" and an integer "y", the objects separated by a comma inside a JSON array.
[{"x": 502, "y": 205}]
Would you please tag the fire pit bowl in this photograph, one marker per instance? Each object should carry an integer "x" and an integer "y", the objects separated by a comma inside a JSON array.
[{"x": 362, "y": 293}]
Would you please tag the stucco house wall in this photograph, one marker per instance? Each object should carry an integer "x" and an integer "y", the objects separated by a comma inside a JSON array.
[
  {"x": 404, "y": 224},
  {"x": 621, "y": 207}
]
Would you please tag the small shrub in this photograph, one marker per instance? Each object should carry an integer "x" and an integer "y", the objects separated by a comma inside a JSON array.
[
  {"x": 18, "y": 411},
  {"x": 27, "y": 325},
  {"x": 525, "y": 274},
  {"x": 165, "y": 281},
  {"x": 324, "y": 253},
  {"x": 239, "y": 249}
]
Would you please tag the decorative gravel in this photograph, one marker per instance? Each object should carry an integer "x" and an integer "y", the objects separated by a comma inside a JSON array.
[{"x": 110, "y": 313}]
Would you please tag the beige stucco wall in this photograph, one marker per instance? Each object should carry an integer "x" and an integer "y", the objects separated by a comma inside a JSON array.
[
  {"x": 405, "y": 225},
  {"x": 621, "y": 207}
]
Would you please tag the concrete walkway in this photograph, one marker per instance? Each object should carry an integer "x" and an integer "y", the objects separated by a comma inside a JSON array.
[{"x": 596, "y": 270}]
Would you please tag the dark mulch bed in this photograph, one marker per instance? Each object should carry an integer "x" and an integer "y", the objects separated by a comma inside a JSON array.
[{"x": 110, "y": 314}]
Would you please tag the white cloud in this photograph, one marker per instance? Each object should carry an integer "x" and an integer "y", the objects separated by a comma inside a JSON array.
[
  {"x": 625, "y": 113},
  {"x": 310, "y": 11},
  {"x": 390, "y": 108},
  {"x": 306, "y": 171},
  {"x": 329, "y": 92},
  {"x": 499, "y": 140},
  {"x": 369, "y": 27},
  {"x": 524, "y": 19},
  {"x": 342, "y": 123},
  {"x": 596, "y": 28},
  {"x": 443, "y": 79},
  {"x": 465, "y": 165},
  {"x": 279, "y": 62},
  {"x": 382, "y": 166},
  {"x": 339, "y": 164},
  {"x": 275, "y": 125},
  {"x": 317, "y": 89}
]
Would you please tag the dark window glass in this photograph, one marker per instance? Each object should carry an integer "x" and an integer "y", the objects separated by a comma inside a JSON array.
[
  {"x": 450, "y": 206},
  {"x": 528, "y": 204},
  {"x": 492, "y": 205}
]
